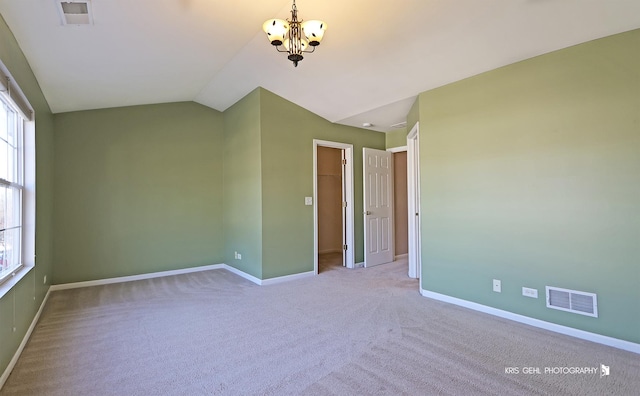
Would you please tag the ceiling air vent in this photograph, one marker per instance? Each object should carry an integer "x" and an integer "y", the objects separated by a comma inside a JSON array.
[
  {"x": 75, "y": 13},
  {"x": 582, "y": 303}
]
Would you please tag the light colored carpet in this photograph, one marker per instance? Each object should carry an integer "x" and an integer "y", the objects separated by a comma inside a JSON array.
[
  {"x": 364, "y": 331},
  {"x": 329, "y": 262}
]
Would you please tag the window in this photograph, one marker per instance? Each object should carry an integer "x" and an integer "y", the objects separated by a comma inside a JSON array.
[
  {"x": 11, "y": 187},
  {"x": 17, "y": 184}
]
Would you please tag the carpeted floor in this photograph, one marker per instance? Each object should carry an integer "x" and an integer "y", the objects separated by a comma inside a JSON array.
[
  {"x": 343, "y": 332},
  {"x": 329, "y": 262}
]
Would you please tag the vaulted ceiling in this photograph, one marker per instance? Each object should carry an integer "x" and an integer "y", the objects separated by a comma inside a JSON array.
[{"x": 375, "y": 58}]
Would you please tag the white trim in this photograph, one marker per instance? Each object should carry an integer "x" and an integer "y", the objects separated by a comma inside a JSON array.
[
  {"x": 397, "y": 149},
  {"x": 359, "y": 265},
  {"x": 349, "y": 197},
  {"x": 29, "y": 194},
  {"x": 402, "y": 256},
  {"x": 242, "y": 274},
  {"x": 25, "y": 339},
  {"x": 556, "y": 328},
  {"x": 286, "y": 278},
  {"x": 413, "y": 204},
  {"x": 257, "y": 281},
  {"x": 76, "y": 285},
  {"x": 16, "y": 277}
]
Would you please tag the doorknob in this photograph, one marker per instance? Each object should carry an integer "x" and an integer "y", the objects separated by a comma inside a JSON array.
[{"x": 367, "y": 213}]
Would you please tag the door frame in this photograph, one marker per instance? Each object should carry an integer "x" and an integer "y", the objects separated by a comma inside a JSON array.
[
  {"x": 413, "y": 195},
  {"x": 348, "y": 224}
]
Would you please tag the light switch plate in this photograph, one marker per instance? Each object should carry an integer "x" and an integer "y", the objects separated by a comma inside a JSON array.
[
  {"x": 497, "y": 286},
  {"x": 308, "y": 201}
]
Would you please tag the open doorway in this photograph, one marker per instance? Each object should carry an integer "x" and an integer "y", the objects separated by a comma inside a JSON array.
[
  {"x": 400, "y": 204},
  {"x": 330, "y": 208},
  {"x": 333, "y": 205}
]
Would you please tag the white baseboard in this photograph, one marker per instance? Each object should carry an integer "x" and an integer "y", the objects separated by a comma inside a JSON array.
[
  {"x": 26, "y": 337},
  {"x": 243, "y": 274},
  {"x": 132, "y": 278},
  {"x": 257, "y": 281},
  {"x": 402, "y": 256},
  {"x": 287, "y": 278},
  {"x": 556, "y": 328},
  {"x": 359, "y": 265},
  {"x": 270, "y": 281}
]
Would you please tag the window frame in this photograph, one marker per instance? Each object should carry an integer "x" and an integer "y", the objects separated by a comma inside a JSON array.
[
  {"x": 13, "y": 97},
  {"x": 14, "y": 182}
]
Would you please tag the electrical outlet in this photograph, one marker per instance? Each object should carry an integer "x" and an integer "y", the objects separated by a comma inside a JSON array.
[
  {"x": 497, "y": 286},
  {"x": 528, "y": 292},
  {"x": 235, "y": 255},
  {"x": 239, "y": 256}
]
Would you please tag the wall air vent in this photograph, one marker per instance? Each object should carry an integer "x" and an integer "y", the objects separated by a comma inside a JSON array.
[
  {"x": 402, "y": 124},
  {"x": 582, "y": 303},
  {"x": 75, "y": 13}
]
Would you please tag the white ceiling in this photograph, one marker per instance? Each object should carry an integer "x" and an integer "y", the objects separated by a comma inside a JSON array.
[{"x": 375, "y": 58}]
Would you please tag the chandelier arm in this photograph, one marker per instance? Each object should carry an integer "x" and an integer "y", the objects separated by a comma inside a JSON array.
[{"x": 309, "y": 52}]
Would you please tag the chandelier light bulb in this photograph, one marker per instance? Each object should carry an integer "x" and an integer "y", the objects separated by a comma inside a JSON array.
[
  {"x": 314, "y": 31},
  {"x": 276, "y": 30}
]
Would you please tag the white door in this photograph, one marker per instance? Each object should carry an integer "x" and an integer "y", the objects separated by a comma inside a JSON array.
[{"x": 378, "y": 207}]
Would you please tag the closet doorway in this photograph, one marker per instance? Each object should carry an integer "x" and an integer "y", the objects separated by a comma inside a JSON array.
[
  {"x": 333, "y": 206},
  {"x": 330, "y": 209}
]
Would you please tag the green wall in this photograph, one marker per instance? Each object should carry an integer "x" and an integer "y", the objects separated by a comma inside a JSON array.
[
  {"x": 531, "y": 174},
  {"x": 242, "y": 185},
  {"x": 414, "y": 115},
  {"x": 288, "y": 132},
  {"x": 19, "y": 306},
  {"x": 396, "y": 138},
  {"x": 137, "y": 190},
  {"x": 150, "y": 188}
]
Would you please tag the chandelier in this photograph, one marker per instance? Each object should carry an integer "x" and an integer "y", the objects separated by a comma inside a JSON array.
[{"x": 295, "y": 36}]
